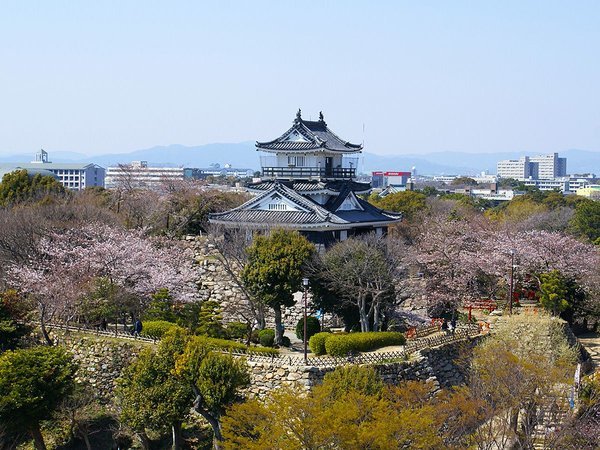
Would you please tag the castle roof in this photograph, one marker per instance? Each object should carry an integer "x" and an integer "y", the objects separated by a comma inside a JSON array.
[
  {"x": 281, "y": 206},
  {"x": 307, "y": 136},
  {"x": 332, "y": 187}
]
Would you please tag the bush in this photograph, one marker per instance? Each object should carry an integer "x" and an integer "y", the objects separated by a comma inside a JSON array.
[
  {"x": 237, "y": 330},
  {"x": 341, "y": 345},
  {"x": 342, "y": 380},
  {"x": 233, "y": 346},
  {"x": 313, "y": 326},
  {"x": 317, "y": 343},
  {"x": 286, "y": 342},
  {"x": 266, "y": 338},
  {"x": 156, "y": 329}
]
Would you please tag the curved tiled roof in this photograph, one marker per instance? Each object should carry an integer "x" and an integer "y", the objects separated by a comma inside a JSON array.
[
  {"x": 310, "y": 214},
  {"x": 316, "y": 136}
]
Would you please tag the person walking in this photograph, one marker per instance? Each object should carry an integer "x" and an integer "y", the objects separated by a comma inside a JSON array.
[{"x": 137, "y": 328}]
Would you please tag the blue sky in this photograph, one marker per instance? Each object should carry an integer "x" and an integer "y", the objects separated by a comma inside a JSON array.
[{"x": 421, "y": 76}]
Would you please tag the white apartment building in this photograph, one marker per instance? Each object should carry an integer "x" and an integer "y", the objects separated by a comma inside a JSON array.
[
  {"x": 139, "y": 175},
  {"x": 542, "y": 167},
  {"x": 519, "y": 169},
  {"x": 75, "y": 177},
  {"x": 550, "y": 166}
]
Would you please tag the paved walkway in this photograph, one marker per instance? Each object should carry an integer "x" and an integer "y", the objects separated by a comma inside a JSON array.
[{"x": 591, "y": 342}]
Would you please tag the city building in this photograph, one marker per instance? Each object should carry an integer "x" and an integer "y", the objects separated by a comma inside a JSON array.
[
  {"x": 308, "y": 185},
  {"x": 139, "y": 175},
  {"x": 73, "y": 176},
  {"x": 543, "y": 167},
  {"x": 592, "y": 191},
  {"x": 217, "y": 171},
  {"x": 381, "y": 180}
]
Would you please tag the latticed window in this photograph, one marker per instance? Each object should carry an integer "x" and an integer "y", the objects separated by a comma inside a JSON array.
[{"x": 297, "y": 161}]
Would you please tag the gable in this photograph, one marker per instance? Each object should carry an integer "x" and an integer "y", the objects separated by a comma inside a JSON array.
[
  {"x": 350, "y": 203},
  {"x": 276, "y": 202},
  {"x": 295, "y": 136}
]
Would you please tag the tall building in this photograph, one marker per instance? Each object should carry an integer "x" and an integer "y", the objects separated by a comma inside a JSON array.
[
  {"x": 550, "y": 166},
  {"x": 542, "y": 167},
  {"x": 307, "y": 185},
  {"x": 73, "y": 176}
]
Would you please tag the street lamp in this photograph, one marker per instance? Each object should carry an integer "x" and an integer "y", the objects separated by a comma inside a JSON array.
[
  {"x": 510, "y": 290},
  {"x": 305, "y": 285}
]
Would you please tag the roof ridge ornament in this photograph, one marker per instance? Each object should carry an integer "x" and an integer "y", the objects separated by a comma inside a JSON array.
[
  {"x": 322, "y": 118},
  {"x": 298, "y": 116}
]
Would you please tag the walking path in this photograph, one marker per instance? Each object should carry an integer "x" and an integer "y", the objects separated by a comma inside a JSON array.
[{"x": 591, "y": 342}]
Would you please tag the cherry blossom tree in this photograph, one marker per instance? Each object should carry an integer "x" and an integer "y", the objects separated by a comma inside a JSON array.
[{"x": 66, "y": 264}]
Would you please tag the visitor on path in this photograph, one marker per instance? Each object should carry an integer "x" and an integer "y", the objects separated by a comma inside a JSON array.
[
  {"x": 453, "y": 324},
  {"x": 137, "y": 328},
  {"x": 104, "y": 324},
  {"x": 445, "y": 325}
]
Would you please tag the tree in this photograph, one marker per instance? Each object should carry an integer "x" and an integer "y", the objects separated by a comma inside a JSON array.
[
  {"x": 20, "y": 186},
  {"x": 68, "y": 264},
  {"x": 553, "y": 292},
  {"x": 407, "y": 202},
  {"x": 210, "y": 321},
  {"x": 468, "y": 181},
  {"x": 13, "y": 314},
  {"x": 215, "y": 379},
  {"x": 275, "y": 268},
  {"x": 33, "y": 382},
  {"x": 586, "y": 221},
  {"x": 151, "y": 396},
  {"x": 361, "y": 270}
]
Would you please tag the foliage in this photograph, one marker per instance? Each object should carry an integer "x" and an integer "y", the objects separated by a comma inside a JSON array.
[
  {"x": 215, "y": 378},
  {"x": 343, "y": 344},
  {"x": 275, "y": 268},
  {"x": 313, "y": 326},
  {"x": 409, "y": 203},
  {"x": 459, "y": 181},
  {"x": 317, "y": 343},
  {"x": 356, "y": 419},
  {"x": 362, "y": 271},
  {"x": 19, "y": 186},
  {"x": 553, "y": 292},
  {"x": 150, "y": 396},
  {"x": 13, "y": 314},
  {"x": 33, "y": 382},
  {"x": 210, "y": 320},
  {"x": 237, "y": 330},
  {"x": 586, "y": 221},
  {"x": 346, "y": 379},
  {"x": 156, "y": 329},
  {"x": 266, "y": 337},
  {"x": 160, "y": 307}
]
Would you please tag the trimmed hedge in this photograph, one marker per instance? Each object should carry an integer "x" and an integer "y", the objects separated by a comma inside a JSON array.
[
  {"x": 237, "y": 330},
  {"x": 317, "y": 343},
  {"x": 313, "y": 326},
  {"x": 343, "y": 344},
  {"x": 266, "y": 337},
  {"x": 233, "y": 346},
  {"x": 156, "y": 329}
]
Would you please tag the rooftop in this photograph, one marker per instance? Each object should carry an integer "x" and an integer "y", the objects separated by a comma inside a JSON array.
[{"x": 306, "y": 135}]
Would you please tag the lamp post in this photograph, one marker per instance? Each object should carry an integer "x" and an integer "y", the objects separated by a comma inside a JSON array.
[
  {"x": 510, "y": 290},
  {"x": 305, "y": 285}
]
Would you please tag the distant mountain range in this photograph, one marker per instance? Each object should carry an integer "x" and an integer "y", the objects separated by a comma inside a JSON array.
[{"x": 244, "y": 155}]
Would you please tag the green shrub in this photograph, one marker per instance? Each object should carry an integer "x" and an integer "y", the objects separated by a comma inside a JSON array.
[
  {"x": 233, "y": 346},
  {"x": 237, "y": 330},
  {"x": 266, "y": 337},
  {"x": 317, "y": 343},
  {"x": 156, "y": 329},
  {"x": 313, "y": 326},
  {"x": 342, "y": 380},
  {"x": 286, "y": 342},
  {"x": 341, "y": 345}
]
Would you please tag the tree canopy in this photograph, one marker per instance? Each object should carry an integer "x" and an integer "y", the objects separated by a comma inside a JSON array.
[
  {"x": 19, "y": 186},
  {"x": 274, "y": 270}
]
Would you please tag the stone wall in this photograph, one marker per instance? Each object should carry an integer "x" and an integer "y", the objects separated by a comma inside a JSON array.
[
  {"x": 101, "y": 360},
  {"x": 435, "y": 365},
  {"x": 216, "y": 283}
]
